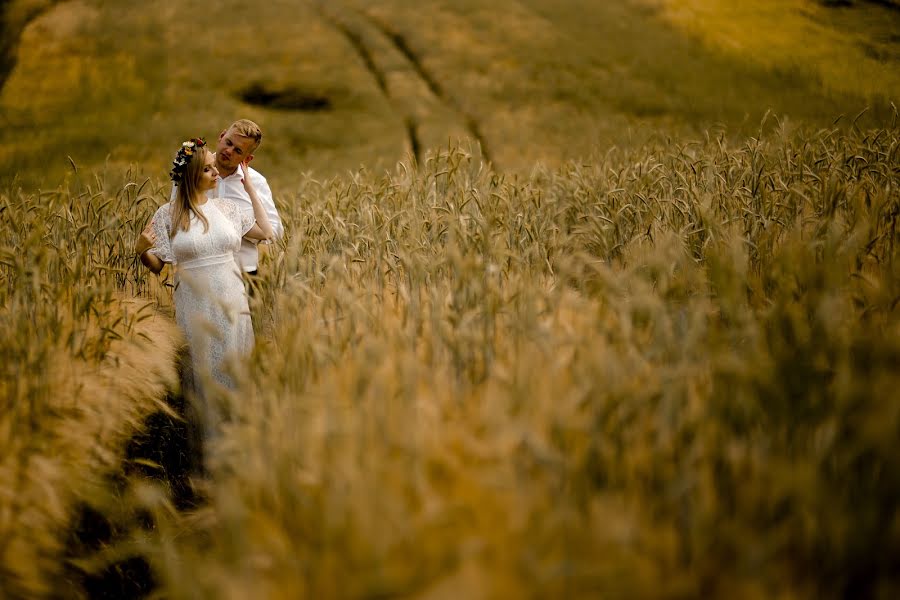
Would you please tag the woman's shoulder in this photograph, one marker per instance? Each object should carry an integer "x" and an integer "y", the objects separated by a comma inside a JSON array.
[{"x": 163, "y": 211}]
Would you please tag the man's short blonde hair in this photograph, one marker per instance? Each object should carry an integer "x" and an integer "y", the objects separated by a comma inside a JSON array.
[{"x": 248, "y": 129}]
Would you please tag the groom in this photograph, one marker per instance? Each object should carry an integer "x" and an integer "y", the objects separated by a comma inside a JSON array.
[{"x": 236, "y": 145}]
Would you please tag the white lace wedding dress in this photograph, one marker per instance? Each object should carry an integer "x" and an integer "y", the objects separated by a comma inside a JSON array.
[{"x": 210, "y": 299}]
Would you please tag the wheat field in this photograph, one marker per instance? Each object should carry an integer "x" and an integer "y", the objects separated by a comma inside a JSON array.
[
  {"x": 588, "y": 322},
  {"x": 666, "y": 372}
]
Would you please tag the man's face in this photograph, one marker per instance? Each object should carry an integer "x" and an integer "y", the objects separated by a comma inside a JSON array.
[{"x": 232, "y": 150}]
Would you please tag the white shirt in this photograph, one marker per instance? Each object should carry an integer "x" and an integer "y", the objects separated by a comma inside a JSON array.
[{"x": 232, "y": 189}]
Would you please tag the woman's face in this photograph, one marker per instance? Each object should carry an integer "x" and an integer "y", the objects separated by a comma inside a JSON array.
[{"x": 210, "y": 174}]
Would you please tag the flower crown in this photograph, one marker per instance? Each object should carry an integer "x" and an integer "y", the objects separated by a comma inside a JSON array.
[{"x": 183, "y": 157}]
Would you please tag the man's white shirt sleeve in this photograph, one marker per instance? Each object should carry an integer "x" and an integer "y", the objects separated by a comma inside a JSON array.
[{"x": 265, "y": 197}]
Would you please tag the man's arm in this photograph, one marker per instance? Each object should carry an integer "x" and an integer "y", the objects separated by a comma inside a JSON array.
[{"x": 265, "y": 197}]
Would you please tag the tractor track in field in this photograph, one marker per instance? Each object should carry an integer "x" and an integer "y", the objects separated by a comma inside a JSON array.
[
  {"x": 402, "y": 45},
  {"x": 360, "y": 30},
  {"x": 355, "y": 40},
  {"x": 367, "y": 56}
]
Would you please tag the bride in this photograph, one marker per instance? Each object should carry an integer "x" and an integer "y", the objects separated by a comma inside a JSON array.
[{"x": 201, "y": 237}]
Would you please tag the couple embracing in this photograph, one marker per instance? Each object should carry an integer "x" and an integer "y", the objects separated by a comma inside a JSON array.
[{"x": 219, "y": 211}]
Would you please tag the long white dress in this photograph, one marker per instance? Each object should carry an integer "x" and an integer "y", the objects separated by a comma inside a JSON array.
[{"x": 210, "y": 299}]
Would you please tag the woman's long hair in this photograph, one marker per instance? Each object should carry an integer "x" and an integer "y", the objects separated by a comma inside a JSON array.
[{"x": 185, "y": 204}]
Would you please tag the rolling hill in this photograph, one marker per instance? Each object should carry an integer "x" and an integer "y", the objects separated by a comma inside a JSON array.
[{"x": 343, "y": 84}]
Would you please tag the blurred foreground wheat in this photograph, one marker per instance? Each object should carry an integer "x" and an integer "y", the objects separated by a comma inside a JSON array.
[
  {"x": 83, "y": 363},
  {"x": 667, "y": 373},
  {"x": 673, "y": 373}
]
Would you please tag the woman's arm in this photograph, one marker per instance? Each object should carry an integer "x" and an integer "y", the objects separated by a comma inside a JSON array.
[
  {"x": 144, "y": 243},
  {"x": 262, "y": 230}
]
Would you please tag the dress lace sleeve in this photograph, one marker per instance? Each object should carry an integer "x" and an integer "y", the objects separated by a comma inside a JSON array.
[
  {"x": 241, "y": 220},
  {"x": 162, "y": 224}
]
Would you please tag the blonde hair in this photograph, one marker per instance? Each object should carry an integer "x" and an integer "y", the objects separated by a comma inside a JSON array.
[
  {"x": 185, "y": 203},
  {"x": 248, "y": 129}
]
